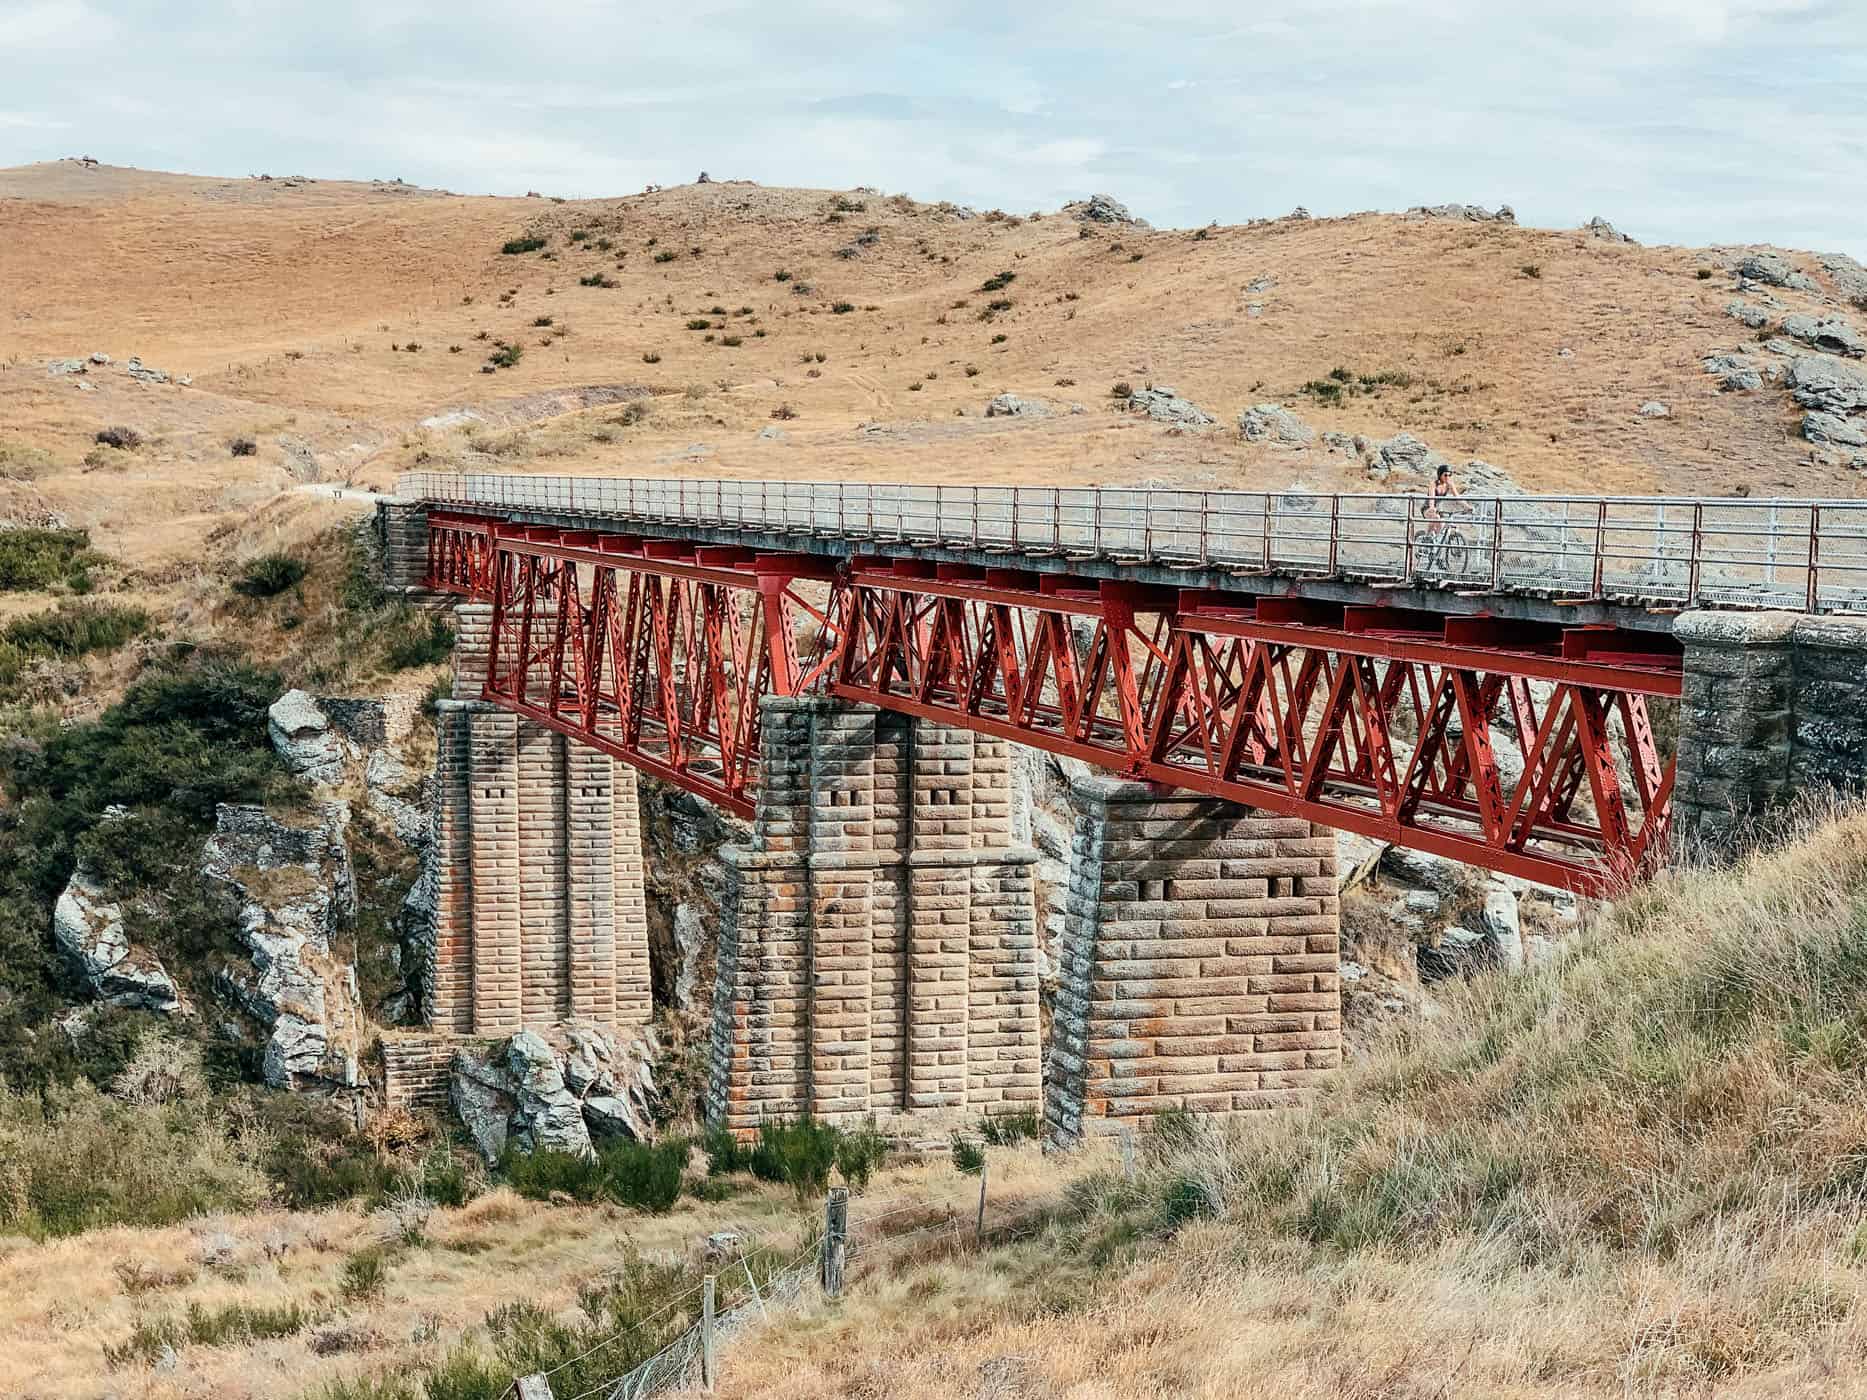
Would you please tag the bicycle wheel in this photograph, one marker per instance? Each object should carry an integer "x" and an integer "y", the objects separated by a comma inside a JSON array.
[{"x": 1454, "y": 553}]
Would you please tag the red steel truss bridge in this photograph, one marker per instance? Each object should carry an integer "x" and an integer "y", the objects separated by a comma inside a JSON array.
[{"x": 1522, "y": 746}]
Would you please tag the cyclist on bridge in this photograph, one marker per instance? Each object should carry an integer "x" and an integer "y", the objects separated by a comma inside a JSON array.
[{"x": 1444, "y": 488}]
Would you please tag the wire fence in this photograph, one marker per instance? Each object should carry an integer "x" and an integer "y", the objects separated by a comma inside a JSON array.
[
  {"x": 691, "y": 1358},
  {"x": 1808, "y": 555}
]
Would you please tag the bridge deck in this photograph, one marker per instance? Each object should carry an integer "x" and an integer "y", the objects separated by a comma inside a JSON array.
[{"x": 1623, "y": 557}]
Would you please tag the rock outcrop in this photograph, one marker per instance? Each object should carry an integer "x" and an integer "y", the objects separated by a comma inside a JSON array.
[
  {"x": 1011, "y": 406},
  {"x": 1734, "y": 372},
  {"x": 561, "y": 1089},
  {"x": 1103, "y": 209},
  {"x": 1774, "y": 270},
  {"x": 1827, "y": 333},
  {"x": 1161, "y": 404},
  {"x": 1821, "y": 381},
  {"x": 1268, "y": 422},
  {"x": 306, "y": 740},
  {"x": 1468, "y": 213},
  {"x": 1599, "y": 227},
  {"x": 294, "y": 892},
  {"x": 87, "y": 926}
]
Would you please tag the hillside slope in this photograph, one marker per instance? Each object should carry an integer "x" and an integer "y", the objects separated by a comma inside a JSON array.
[
  {"x": 1637, "y": 1171},
  {"x": 296, "y": 309}
]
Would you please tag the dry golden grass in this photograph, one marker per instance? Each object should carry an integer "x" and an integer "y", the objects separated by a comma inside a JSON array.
[
  {"x": 63, "y": 1302},
  {"x": 285, "y": 303},
  {"x": 1637, "y": 1172}
]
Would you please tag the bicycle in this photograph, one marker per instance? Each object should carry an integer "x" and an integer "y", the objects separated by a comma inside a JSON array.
[{"x": 1443, "y": 550}]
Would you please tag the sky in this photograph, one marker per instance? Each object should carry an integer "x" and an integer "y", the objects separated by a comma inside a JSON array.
[{"x": 1682, "y": 121}]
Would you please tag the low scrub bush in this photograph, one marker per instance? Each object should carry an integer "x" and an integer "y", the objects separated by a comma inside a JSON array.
[
  {"x": 35, "y": 559},
  {"x": 243, "y": 447},
  {"x": 842, "y": 308},
  {"x": 1010, "y": 1129},
  {"x": 239, "y": 1324},
  {"x": 122, "y": 438},
  {"x": 505, "y": 355},
  {"x": 75, "y": 629},
  {"x": 641, "y": 1176},
  {"x": 416, "y": 638},
  {"x": 531, "y": 243},
  {"x": 269, "y": 575},
  {"x": 998, "y": 282},
  {"x": 365, "y": 1274}
]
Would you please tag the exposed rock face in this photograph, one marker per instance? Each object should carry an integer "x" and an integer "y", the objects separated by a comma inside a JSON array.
[
  {"x": 690, "y": 940},
  {"x": 1653, "y": 408},
  {"x": 1833, "y": 430},
  {"x": 1164, "y": 406},
  {"x": 1753, "y": 316},
  {"x": 1735, "y": 372},
  {"x": 399, "y": 795},
  {"x": 1599, "y": 227},
  {"x": 1849, "y": 277},
  {"x": 304, "y": 737},
  {"x": 1820, "y": 381},
  {"x": 1774, "y": 270},
  {"x": 295, "y": 892},
  {"x": 1469, "y": 213},
  {"x": 1011, "y": 406},
  {"x": 1406, "y": 454},
  {"x": 561, "y": 1089},
  {"x": 1829, "y": 333},
  {"x": 87, "y": 925},
  {"x": 1267, "y": 422},
  {"x": 1103, "y": 209}
]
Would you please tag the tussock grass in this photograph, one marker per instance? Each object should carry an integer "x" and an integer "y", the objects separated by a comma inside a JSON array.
[{"x": 1639, "y": 1170}]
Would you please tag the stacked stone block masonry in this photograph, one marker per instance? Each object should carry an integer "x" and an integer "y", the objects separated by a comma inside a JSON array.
[
  {"x": 1200, "y": 960},
  {"x": 1774, "y": 706},
  {"x": 878, "y": 946},
  {"x": 539, "y": 908}
]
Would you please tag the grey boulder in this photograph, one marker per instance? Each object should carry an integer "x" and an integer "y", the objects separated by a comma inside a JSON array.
[
  {"x": 1735, "y": 372},
  {"x": 1821, "y": 381},
  {"x": 1599, "y": 227},
  {"x": 1268, "y": 422},
  {"x": 1774, "y": 270},
  {"x": 1832, "y": 430},
  {"x": 1829, "y": 333},
  {"x": 1103, "y": 209},
  {"x": 87, "y": 926},
  {"x": 1011, "y": 406},
  {"x": 1164, "y": 406},
  {"x": 306, "y": 739},
  {"x": 1753, "y": 316}
]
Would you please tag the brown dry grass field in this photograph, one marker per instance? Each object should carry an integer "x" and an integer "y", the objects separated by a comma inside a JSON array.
[{"x": 285, "y": 303}]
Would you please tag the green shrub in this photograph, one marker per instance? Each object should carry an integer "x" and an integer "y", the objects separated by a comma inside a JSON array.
[
  {"x": 505, "y": 356},
  {"x": 1010, "y": 1129},
  {"x": 33, "y": 559},
  {"x": 645, "y": 1176},
  {"x": 365, "y": 1274},
  {"x": 998, "y": 283},
  {"x": 732, "y": 342},
  {"x": 842, "y": 308},
  {"x": 531, "y": 243},
  {"x": 724, "y": 1153},
  {"x": 968, "y": 1156},
  {"x": 418, "y": 639},
  {"x": 124, "y": 439},
  {"x": 75, "y": 629},
  {"x": 666, "y": 255},
  {"x": 859, "y": 1153},
  {"x": 269, "y": 575}
]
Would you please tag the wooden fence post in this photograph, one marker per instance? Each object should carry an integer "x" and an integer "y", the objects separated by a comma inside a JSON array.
[
  {"x": 708, "y": 1372},
  {"x": 835, "y": 1240},
  {"x": 534, "y": 1388}
]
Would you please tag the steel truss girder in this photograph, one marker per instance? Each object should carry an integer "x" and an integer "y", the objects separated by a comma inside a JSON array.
[{"x": 1518, "y": 747}]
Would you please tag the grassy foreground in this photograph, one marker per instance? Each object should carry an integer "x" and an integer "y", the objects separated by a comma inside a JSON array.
[{"x": 1640, "y": 1170}]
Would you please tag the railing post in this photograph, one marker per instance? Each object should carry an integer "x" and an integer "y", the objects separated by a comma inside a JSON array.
[
  {"x": 1335, "y": 531},
  {"x": 975, "y": 517},
  {"x": 1014, "y": 517},
  {"x": 1095, "y": 524},
  {"x": 1265, "y": 531},
  {"x": 1205, "y": 539},
  {"x": 1698, "y": 539},
  {"x": 709, "y": 1372},
  {"x": 1056, "y": 519},
  {"x": 1497, "y": 540},
  {"x": 1601, "y": 529},
  {"x": 1814, "y": 603},
  {"x": 1406, "y": 570},
  {"x": 1147, "y": 526},
  {"x": 835, "y": 1241}
]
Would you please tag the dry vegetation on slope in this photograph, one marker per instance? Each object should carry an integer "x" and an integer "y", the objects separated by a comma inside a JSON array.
[
  {"x": 321, "y": 320},
  {"x": 1638, "y": 1171}
]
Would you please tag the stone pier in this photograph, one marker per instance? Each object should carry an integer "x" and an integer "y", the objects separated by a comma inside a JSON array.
[
  {"x": 1200, "y": 960},
  {"x": 878, "y": 948},
  {"x": 539, "y": 907},
  {"x": 1775, "y": 706}
]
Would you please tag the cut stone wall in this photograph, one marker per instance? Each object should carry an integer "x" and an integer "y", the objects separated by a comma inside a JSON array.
[
  {"x": 1772, "y": 708},
  {"x": 1200, "y": 960},
  {"x": 401, "y": 531},
  {"x": 877, "y": 950}
]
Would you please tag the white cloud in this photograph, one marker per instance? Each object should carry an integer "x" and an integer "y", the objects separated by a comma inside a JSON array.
[{"x": 1683, "y": 120}]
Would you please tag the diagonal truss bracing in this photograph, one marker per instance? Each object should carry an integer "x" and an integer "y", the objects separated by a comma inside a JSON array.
[{"x": 1520, "y": 747}]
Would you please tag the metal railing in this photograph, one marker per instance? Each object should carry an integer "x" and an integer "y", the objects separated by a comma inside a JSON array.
[{"x": 1805, "y": 555}]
